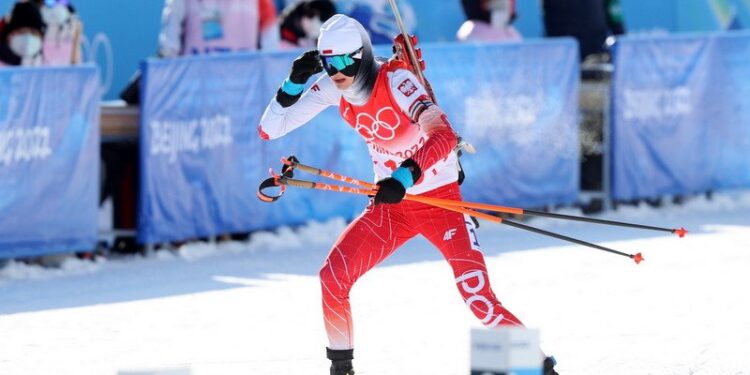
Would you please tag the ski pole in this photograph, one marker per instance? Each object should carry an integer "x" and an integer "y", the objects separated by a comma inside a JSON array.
[
  {"x": 323, "y": 186},
  {"x": 483, "y": 206},
  {"x": 294, "y": 164},
  {"x": 636, "y": 257},
  {"x": 681, "y": 232},
  {"x": 347, "y": 189}
]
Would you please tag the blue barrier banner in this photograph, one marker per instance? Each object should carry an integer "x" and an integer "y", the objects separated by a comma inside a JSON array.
[
  {"x": 681, "y": 121},
  {"x": 518, "y": 104},
  {"x": 202, "y": 160},
  {"x": 49, "y": 160}
]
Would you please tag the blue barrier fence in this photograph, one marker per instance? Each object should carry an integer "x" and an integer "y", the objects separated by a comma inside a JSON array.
[
  {"x": 201, "y": 157},
  {"x": 202, "y": 161},
  {"x": 681, "y": 124},
  {"x": 681, "y": 120},
  {"x": 518, "y": 104},
  {"x": 49, "y": 160}
]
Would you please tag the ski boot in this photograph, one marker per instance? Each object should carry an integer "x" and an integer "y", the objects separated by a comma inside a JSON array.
[
  {"x": 549, "y": 366},
  {"x": 341, "y": 361}
]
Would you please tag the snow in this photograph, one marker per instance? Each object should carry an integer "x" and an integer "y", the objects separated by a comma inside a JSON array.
[{"x": 253, "y": 307}]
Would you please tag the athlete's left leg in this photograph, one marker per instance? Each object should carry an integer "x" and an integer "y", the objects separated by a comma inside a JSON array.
[{"x": 454, "y": 234}]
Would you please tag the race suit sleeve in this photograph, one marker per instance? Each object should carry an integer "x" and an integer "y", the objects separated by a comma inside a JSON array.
[
  {"x": 278, "y": 121},
  {"x": 172, "y": 28},
  {"x": 414, "y": 101}
]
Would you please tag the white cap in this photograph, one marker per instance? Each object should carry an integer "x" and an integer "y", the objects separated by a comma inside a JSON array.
[{"x": 340, "y": 35}]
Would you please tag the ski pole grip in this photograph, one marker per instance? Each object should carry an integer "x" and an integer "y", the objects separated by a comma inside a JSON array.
[
  {"x": 266, "y": 184},
  {"x": 287, "y": 171},
  {"x": 289, "y": 163}
]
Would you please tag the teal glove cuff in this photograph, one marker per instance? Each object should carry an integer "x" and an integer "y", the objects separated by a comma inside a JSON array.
[
  {"x": 404, "y": 176},
  {"x": 292, "y": 88}
]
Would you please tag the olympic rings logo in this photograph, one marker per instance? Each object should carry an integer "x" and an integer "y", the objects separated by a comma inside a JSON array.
[{"x": 380, "y": 126}]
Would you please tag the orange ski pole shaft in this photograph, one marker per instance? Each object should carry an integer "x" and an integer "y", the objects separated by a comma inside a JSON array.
[
  {"x": 411, "y": 197},
  {"x": 346, "y": 189},
  {"x": 681, "y": 232},
  {"x": 322, "y": 186}
]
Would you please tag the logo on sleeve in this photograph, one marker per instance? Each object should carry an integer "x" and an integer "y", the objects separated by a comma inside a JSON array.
[{"x": 407, "y": 87}]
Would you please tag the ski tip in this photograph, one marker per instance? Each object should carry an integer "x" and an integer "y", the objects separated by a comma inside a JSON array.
[
  {"x": 638, "y": 258},
  {"x": 680, "y": 232}
]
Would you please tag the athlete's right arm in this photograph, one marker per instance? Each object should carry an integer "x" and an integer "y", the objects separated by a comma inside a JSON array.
[{"x": 291, "y": 108}]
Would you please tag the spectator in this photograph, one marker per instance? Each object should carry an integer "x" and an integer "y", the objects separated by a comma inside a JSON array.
[
  {"x": 21, "y": 36},
  {"x": 62, "y": 40},
  {"x": 488, "y": 21},
  {"x": 206, "y": 26},
  {"x": 189, "y": 27},
  {"x": 589, "y": 21},
  {"x": 194, "y": 27},
  {"x": 377, "y": 17},
  {"x": 300, "y": 22}
]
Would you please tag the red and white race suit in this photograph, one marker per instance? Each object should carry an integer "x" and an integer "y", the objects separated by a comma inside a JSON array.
[{"x": 399, "y": 121}]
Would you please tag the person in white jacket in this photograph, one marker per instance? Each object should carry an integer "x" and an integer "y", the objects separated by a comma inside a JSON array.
[
  {"x": 196, "y": 27},
  {"x": 489, "y": 21}
]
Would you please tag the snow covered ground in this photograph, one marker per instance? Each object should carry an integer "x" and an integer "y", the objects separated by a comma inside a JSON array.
[{"x": 253, "y": 308}]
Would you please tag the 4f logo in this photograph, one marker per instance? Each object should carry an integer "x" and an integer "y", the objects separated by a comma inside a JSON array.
[{"x": 449, "y": 234}]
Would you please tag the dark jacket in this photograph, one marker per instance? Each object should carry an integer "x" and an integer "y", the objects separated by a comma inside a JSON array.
[{"x": 589, "y": 21}]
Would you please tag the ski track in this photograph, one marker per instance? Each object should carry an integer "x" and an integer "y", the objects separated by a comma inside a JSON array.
[{"x": 254, "y": 307}]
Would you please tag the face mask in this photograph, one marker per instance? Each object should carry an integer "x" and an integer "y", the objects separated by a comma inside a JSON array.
[
  {"x": 55, "y": 15},
  {"x": 311, "y": 27},
  {"x": 499, "y": 12},
  {"x": 26, "y": 45},
  {"x": 499, "y": 18}
]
